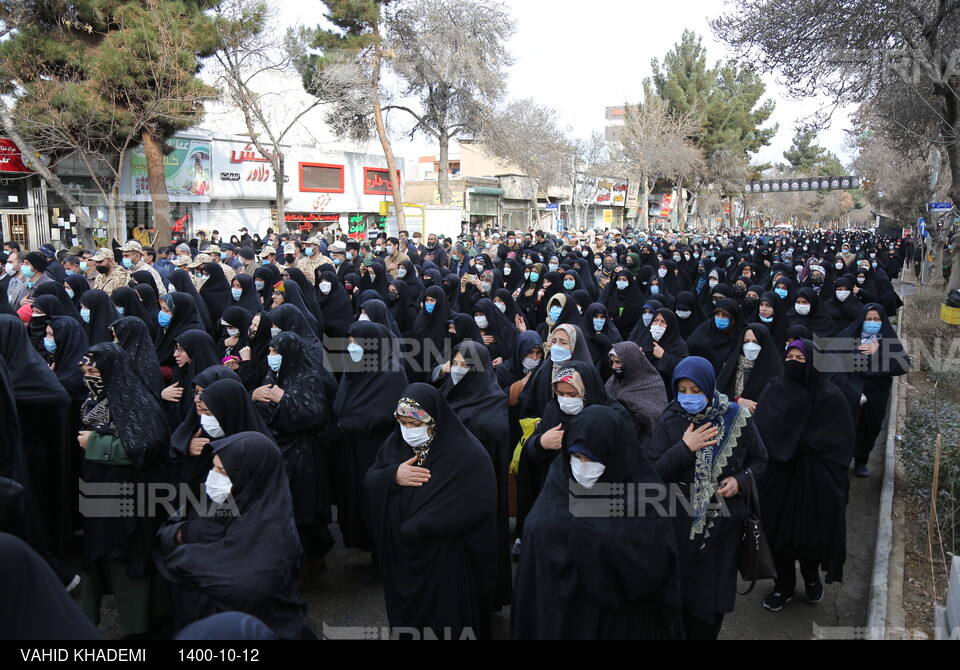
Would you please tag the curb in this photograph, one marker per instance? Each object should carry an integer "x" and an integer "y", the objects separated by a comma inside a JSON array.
[{"x": 879, "y": 582}]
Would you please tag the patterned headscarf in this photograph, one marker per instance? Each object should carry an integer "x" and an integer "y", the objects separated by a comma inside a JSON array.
[
  {"x": 571, "y": 376},
  {"x": 411, "y": 409}
]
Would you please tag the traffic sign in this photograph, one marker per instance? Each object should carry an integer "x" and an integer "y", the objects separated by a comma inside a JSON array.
[
  {"x": 552, "y": 207},
  {"x": 922, "y": 228},
  {"x": 939, "y": 207}
]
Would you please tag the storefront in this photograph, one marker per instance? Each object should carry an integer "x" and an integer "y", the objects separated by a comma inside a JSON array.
[
  {"x": 21, "y": 200},
  {"x": 188, "y": 170}
]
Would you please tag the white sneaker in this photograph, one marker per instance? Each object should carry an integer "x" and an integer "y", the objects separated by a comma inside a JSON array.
[{"x": 74, "y": 583}]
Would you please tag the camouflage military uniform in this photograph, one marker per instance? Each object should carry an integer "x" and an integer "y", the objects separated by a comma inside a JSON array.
[
  {"x": 143, "y": 267},
  {"x": 118, "y": 278}
]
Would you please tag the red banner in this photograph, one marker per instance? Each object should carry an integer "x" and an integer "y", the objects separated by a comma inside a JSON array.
[{"x": 10, "y": 159}]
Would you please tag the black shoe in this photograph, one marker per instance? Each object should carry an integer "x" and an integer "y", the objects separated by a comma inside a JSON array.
[
  {"x": 775, "y": 601},
  {"x": 860, "y": 470},
  {"x": 814, "y": 591},
  {"x": 515, "y": 550}
]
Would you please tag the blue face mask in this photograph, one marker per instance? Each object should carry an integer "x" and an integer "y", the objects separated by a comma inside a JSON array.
[
  {"x": 264, "y": 262},
  {"x": 275, "y": 361},
  {"x": 70, "y": 272},
  {"x": 598, "y": 324},
  {"x": 84, "y": 267},
  {"x": 569, "y": 285},
  {"x": 308, "y": 252},
  {"x": 766, "y": 319},
  {"x": 721, "y": 323},
  {"x": 872, "y": 327},
  {"x": 121, "y": 310},
  {"x": 555, "y": 313},
  {"x": 236, "y": 293},
  {"x": 782, "y": 292},
  {"x": 692, "y": 403},
  {"x": 534, "y": 277},
  {"x": 337, "y": 261},
  {"x": 27, "y": 271},
  {"x": 654, "y": 290},
  {"x": 560, "y": 355},
  {"x": 127, "y": 263},
  {"x": 164, "y": 319},
  {"x": 85, "y": 315},
  {"x": 50, "y": 345},
  {"x": 70, "y": 293},
  {"x": 429, "y": 306}
]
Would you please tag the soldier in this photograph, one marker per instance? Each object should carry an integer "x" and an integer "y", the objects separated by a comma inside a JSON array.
[
  {"x": 134, "y": 261},
  {"x": 217, "y": 255},
  {"x": 312, "y": 259},
  {"x": 110, "y": 275}
]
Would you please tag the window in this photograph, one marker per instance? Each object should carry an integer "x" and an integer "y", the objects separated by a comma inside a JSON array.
[
  {"x": 321, "y": 178},
  {"x": 377, "y": 182}
]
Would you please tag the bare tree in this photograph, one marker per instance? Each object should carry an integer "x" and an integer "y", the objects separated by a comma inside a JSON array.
[
  {"x": 861, "y": 51},
  {"x": 452, "y": 57},
  {"x": 256, "y": 55},
  {"x": 528, "y": 135},
  {"x": 655, "y": 143}
]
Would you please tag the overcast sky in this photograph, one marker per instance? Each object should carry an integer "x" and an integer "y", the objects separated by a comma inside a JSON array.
[{"x": 581, "y": 61}]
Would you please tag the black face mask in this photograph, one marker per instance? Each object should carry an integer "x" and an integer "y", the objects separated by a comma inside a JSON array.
[
  {"x": 619, "y": 374},
  {"x": 739, "y": 290},
  {"x": 392, "y": 298},
  {"x": 289, "y": 258},
  {"x": 795, "y": 370},
  {"x": 102, "y": 269},
  {"x": 751, "y": 303}
]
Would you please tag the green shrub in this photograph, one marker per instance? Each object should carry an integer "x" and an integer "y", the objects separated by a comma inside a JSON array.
[{"x": 917, "y": 450}]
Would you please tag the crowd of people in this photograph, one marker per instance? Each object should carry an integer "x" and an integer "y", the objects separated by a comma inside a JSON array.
[{"x": 403, "y": 387}]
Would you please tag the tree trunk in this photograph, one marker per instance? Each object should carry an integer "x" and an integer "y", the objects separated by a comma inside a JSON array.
[
  {"x": 733, "y": 215},
  {"x": 644, "y": 212},
  {"x": 85, "y": 224},
  {"x": 382, "y": 128},
  {"x": 681, "y": 206},
  {"x": 153, "y": 147},
  {"x": 443, "y": 172},
  {"x": 279, "y": 174}
]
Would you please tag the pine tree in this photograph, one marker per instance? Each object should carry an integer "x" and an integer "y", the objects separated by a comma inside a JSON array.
[{"x": 123, "y": 68}]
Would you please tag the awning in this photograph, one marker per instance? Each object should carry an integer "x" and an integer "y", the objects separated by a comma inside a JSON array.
[{"x": 485, "y": 190}]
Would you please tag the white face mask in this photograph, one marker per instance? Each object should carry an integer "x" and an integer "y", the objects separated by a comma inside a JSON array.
[
  {"x": 325, "y": 287},
  {"x": 622, "y": 285},
  {"x": 657, "y": 332},
  {"x": 457, "y": 373},
  {"x": 661, "y": 273},
  {"x": 482, "y": 322},
  {"x": 530, "y": 364},
  {"x": 275, "y": 331},
  {"x": 570, "y": 406},
  {"x": 507, "y": 271},
  {"x": 684, "y": 315},
  {"x": 843, "y": 295},
  {"x": 211, "y": 426},
  {"x": 233, "y": 332},
  {"x": 647, "y": 319},
  {"x": 218, "y": 487},
  {"x": 401, "y": 273},
  {"x": 802, "y": 310},
  {"x": 586, "y": 474},
  {"x": 363, "y": 317},
  {"x": 751, "y": 350},
  {"x": 713, "y": 283},
  {"x": 415, "y": 437},
  {"x": 502, "y": 306}
]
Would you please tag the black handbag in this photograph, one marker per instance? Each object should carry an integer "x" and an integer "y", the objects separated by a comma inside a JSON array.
[{"x": 754, "y": 560}]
